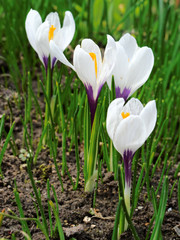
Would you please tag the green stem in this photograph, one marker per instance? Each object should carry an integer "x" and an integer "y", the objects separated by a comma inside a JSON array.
[
  {"x": 76, "y": 149},
  {"x": 127, "y": 191},
  {"x": 92, "y": 154},
  {"x": 111, "y": 156},
  {"x": 63, "y": 127},
  {"x": 121, "y": 215},
  {"x": 115, "y": 235},
  {"x": 48, "y": 93},
  {"x": 124, "y": 204}
]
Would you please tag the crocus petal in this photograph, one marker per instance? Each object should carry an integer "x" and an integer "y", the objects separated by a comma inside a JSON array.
[
  {"x": 133, "y": 106},
  {"x": 114, "y": 116},
  {"x": 140, "y": 68},
  {"x": 129, "y": 135},
  {"x": 75, "y": 60},
  {"x": 90, "y": 46},
  {"x": 149, "y": 117},
  {"x": 58, "y": 54},
  {"x": 108, "y": 60},
  {"x": 65, "y": 35},
  {"x": 84, "y": 67},
  {"x": 129, "y": 44},
  {"x": 32, "y": 23},
  {"x": 53, "y": 19},
  {"x": 120, "y": 68},
  {"x": 42, "y": 40}
]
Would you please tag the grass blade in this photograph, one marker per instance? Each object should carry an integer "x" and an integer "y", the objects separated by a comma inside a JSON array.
[
  {"x": 40, "y": 145},
  {"x": 116, "y": 224},
  {"x": 5, "y": 145},
  {"x": 156, "y": 234},
  {"x": 56, "y": 214}
]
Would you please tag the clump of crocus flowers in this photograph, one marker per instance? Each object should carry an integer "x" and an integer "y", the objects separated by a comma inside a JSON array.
[{"x": 128, "y": 124}]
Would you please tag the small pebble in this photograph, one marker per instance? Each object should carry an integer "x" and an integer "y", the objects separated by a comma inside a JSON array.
[
  {"x": 93, "y": 226},
  {"x": 86, "y": 219},
  {"x": 169, "y": 209}
]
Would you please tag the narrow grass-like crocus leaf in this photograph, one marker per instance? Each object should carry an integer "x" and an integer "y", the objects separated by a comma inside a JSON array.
[
  {"x": 2, "y": 125},
  {"x": 54, "y": 158},
  {"x": 56, "y": 214},
  {"x": 38, "y": 198},
  {"x": 40, "y": 144},
  {"x": 49, "y": 208},
  {"x": 177, "y": 148},
  {"x": 116, "y": 224},
  {"x": 104, "y": 145},
  {"x": 37, "y": 106},
  {"x": 179, "y": 194},
  {"x": 48, "y": 104},
  {"x": 177, "y": 171},
  {"x": 55, "y": 198},
  {"x": 162, "y": 174},
  {"x": 159, "y": 134},
  {"x": 156, "y": 234},
  {"x": 93, "y": 150},
  {"x": 96, "y": 185},
  {"x": 150, "y": 227},
  {"x": 86, "y": 137},
  {"x": 172, "y": 189},
  {"x": 25, "y": 227},
  {"x": 137, "y": 190},
  {"x": 158, "y": 161},
  {"x": 27, "y": 139},
  {"x": 76, "y": 149},
  {"x": 63, "y": 127},
  {"x": 154, "y": 201},
  {"x": 5, "y": 145}
]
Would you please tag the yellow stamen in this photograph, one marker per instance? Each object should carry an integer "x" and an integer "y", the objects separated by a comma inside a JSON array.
[
  {"x": 125, "y": 115},
  {"x": 128, "y": 60},
  {"x": 51, "y": 32},
  {"x": 93, "y": 56}
]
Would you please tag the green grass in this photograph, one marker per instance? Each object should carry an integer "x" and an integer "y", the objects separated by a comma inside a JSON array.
[{"x": 154, "y": 24}]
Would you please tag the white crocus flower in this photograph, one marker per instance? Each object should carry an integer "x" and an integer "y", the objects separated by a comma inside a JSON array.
[
  {"x": 91, "y": 69},
  {"x": 132, "y": 67},
  {"x": 41, "y": 33},
  {"x": 129, "y": 126}
]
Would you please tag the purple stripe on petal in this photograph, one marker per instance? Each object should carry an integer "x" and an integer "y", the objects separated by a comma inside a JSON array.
[
  {"x": 92, "y": 102},
  {"x": 125, "y": 93},
  {"x": 127, "y": 157},
  {"x": 45, "y": 60},
  {"x": 53, "y": 62}
]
